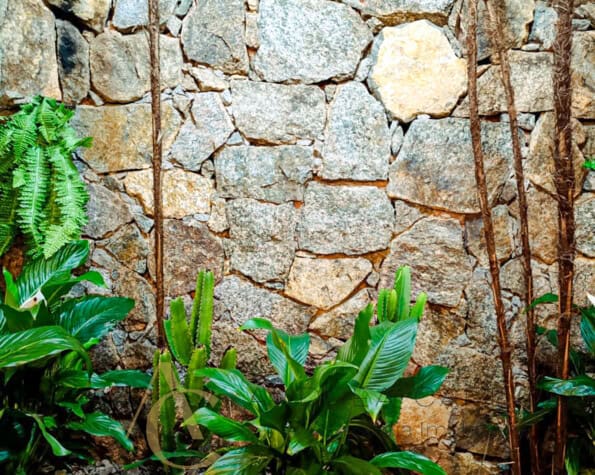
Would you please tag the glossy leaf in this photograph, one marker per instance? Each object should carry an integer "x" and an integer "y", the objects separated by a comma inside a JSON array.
[
  {"x": 373, "y": 401},
  {"x": 57, "y": 448},
  {"x": 408, "y": 461},
  {"x": 579, "y": 386},
  {"x": 425, "y": 383},
  {"x": 545, "y": 298},
  {"x": 588, "y": 328},
  {"x": 224, "y": 427},
  {"x": 355, "y": 349},
  {"x": 244, "y": 461},
  {"x": 349, "y": 465},
  {"x": 77, "y": 379},
  {"x": 100, "y": 425}
]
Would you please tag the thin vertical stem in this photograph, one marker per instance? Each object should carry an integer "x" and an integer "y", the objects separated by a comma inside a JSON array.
[
  {"x": 157, "y": 158},
  {"x": 488, "y": 227},
  {"x": 497, "y": 29},
  {"x": 565, "y": 187}
]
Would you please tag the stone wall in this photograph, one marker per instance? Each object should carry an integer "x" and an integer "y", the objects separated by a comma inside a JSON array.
[{"x": 311, "y": 148}]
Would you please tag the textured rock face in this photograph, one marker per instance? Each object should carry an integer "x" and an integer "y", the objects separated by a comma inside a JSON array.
[
  {"x": 448, "y": 142},
  {"x": 338, "y": 322},
  {"x": 262, "y": 238},
  {"x": 308, "y": 40},
  {"x": 107, "y": 212},
  {"x": 407, "y": 60},
  {"x": 585, "y": 225},
  {"x": 422, "y": 421},
  {"x": 120, "y": 69},
  {"x": 213, "y": 34},
  {"x": 25, "y": 68},
  {"x": 357, "y": 140},
  {"x": 208, "y": 128},
  {"x": 275, "y": 174},
  {"x": 92, "y": 13},
  {"x": 543, "y": 225},
  {"x": 504, "y": 229},
  {"x": 345, "y": 219},
  {"x": 274, "y": 113},
  {"x": 122, "y": 135},
  {"x": 73, "y": 62},
  {"x": 392, "y": 12},
  {"x": 433, "y": 248},
  {"x": 184, "y": 193},
  {"x": 324, "y": 283},
  {"x": 583, "y": 79},
  {"x": 134, "y": 13}
]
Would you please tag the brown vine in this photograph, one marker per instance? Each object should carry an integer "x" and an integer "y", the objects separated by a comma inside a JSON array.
[{"x": 488, "y": 227}]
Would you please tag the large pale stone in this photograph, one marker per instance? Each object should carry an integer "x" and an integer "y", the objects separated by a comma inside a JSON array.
[
  {"x": 184, "y": 193},
  {"x": 200, "y": 137},
  {"x": 435, "y": 165},
  {"x": 92, "y": 13},
  {"x": 27, "y": 65},
  {"x": 422, "y": 421},
  {"x": 308, "y": 40},
  {"x": 543, "y": 30},
  {"x": 539, "y": 165},
  {"x": 345, "y": 219},
  {"x": 129, "y": 246},
  {"x": 357, "y": 139},
  {"x": 275, "y": 174},
  {"x": 393, "y": 12},
  {"x": 531, "y": 77},
  {"x": 583, "y": 74},
  {"x": 276, "y": 113},
  {"x": 73, "y": 62},
  {"x": 338, "y": 322},
  {"x": 189, "y": 248},
  {"x": 504, "y": 230},
  {"x": 543, "y": 225},
  {"x": 474, "y": 431},
  {"x": 107, "y": 212},
  {"x": 120, "y": 67},
  {"x": 325, "y": 283},
  {"x": 519, "y": 15},
  {"x": 585, "y": 224},
  {"x": 262, "y": 238},
  {"x": 213, "y": 34},
  {"x": 408, "y": 59},
  {"x": 134, "y": 13},
  {"x": 125, "y": 139},
  {"x": 434, "y": 250}
]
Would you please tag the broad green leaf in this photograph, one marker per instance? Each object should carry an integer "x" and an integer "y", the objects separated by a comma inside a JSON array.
[
  {"x": 24, "y": 347},
  {"x": 391, "y": 412},
  {"x": 257, "y": 324},
  {"x": 355, "y": 349},
  {"x": 588, "y": 328},
  {"x": 224, "y": 427},
  {"x": 40, "y": 271},
  {"x": 373, "y": 401},
  {"x": 425, "y": 383},
  {"x": 11, "y": 295},
  {"x": 403, "y": 288},
  {"x": 57, "y": 448},
  {"x": 233, "y": 384},
  {"x": 579, "y": 386},
  {"x": 53, "y": 291},
  {"x": 544, "y": 408},
  {"x": 409, "y": 461},
  {"x": 288, "y": 354},
  {"x": 100, "y": 425},
  {"x": 300, "y": 440},
  {"x": 545, "y": 298},
  {"x": 77, "y": 379},
  {"x": 93, "y": 316},
  {"x": 349, "y": 465},
  {"x": 387, "y": 359},
  {"x": 16, "y": 320},
  {"x": 251, "y": 460},
  {"x": 177, "y": 332},
  {"x": 573, "y": 457}
]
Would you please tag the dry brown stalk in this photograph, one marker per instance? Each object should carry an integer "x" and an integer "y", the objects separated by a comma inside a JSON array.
[
  {"x": 497, "y": 28},
  {"x": 565, "y": 188},
  {"x": 488, "y": 227},
  {"x": 157, "y": 157}
]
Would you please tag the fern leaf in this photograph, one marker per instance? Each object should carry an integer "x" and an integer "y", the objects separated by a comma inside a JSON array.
[{"x": 8, "y": 207}]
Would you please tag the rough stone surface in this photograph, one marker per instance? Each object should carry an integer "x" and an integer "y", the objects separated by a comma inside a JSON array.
[
  {"x": 405, "y": 216},
  {"x": 120, "y": 69},
  {"x": 209, "y": 80},
  {"x": 583, "y": 76},
  {"x": 27, "y": 66},
  {"x": 92, "y": 13},
  {"x": 73, "y": 62},
  {"x": 407, "y": 60},
  {"x": 543, "y": 225},
  {"x": 213, "y": 34},
  {"x": 308, "y": 40},
  {"x": 262, "y": 238},
  {"x": 345, "y": 219},
  {"x": 107, "y": 212},
  {"x": 504, "y": 228},
  {"x": 531, "y": 77},
  {"x": 539, "y": 165},
  {"x": 325, "y": 283},
  {"x": 585, "y": 225},
  {"x": 338, "y": 322},
  {"x": 543, "y": 30},
  {"x": 422, "y": 421},
  {"x": 415, "y": 177},
  {"x": 275, "y": 113},
  {"x": 208, "y": 129},
  {"x": 129, "y": 247},
  {"x": 134, "y": 13},
  {"x": 393, "y": 12},
  {"x": 433, "y": 248},
  {"x": 357, "y": 139},
  {"x": 125, "y": 139},
  {"x": 275, "y": 174},
  {"x": 184, "y": 193}
]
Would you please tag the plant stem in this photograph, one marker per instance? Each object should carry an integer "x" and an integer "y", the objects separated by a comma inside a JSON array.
[
  {"x": 157, "y": 157},
  {"x": 564, "y": 179},
  {"x": 488, "y": 227},
  {"x": 497, "y": 29}
]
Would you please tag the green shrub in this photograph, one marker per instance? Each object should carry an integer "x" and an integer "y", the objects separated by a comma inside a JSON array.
[
  {"x": 41, "y": 192},
  {"x": 45, "y": 370}
]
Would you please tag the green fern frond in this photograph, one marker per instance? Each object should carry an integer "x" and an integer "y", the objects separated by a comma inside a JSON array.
[{"x": 8, "y": 208}]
